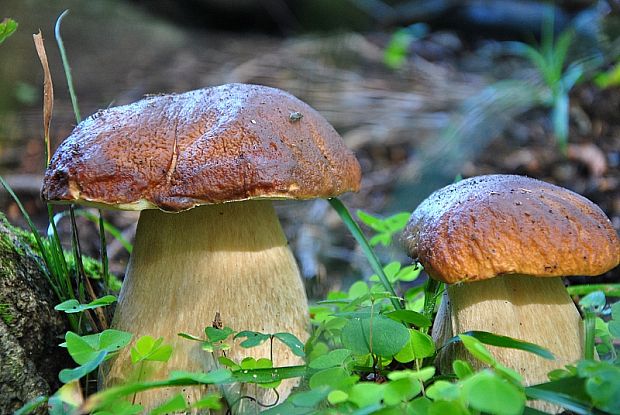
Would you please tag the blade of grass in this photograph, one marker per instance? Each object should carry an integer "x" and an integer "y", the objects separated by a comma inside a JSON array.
[
  {"x": 103, "y": 252},
  {"x": 590, "y": 328},
  {"x": 35, "y": 233},
  {"x": 66, "y": 67},
  {"x": 78, "y": 118},
  {"x": 432, "y": 290},
  {"x": 493, "y": 339},
  {"x": 107, "y": 226},
  {"x": 610, "y": 290},
  {"x": 357, "y": 233},
  {"x": 563, "y": 400},
  {"x": 51, "y": 266}
]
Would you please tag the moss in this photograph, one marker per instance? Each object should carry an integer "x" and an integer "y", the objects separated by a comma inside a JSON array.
[
  {"x": 23, "y": 242},
  {"x": 5, "y": 314}
]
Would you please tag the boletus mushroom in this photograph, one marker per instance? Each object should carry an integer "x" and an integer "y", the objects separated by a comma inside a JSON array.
[
  {"x": 501, "y": 243},
  {"x": 202, "y": 167}
]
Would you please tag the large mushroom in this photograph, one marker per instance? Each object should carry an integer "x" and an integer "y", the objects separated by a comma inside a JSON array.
[
  {"x": 201, "y": 167},
  {"x": 501, "y": 244}
]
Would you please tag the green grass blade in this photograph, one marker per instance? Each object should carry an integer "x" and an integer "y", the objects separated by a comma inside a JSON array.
[
  {"x": 97, "y": 219},
  {"x": 59, "y": 262},
  {"x": 66, "y": 67},
  {"x": 432, "y": 290},
  {"x": 54, "y": 266},
  {"x": 610, "y": 290},
  {"x": 109, "y": 395},
  {"x": 103, "y": 252},
  {"x": 504, "y": 341},
  {"x": 561, "y": 399},
  {"x": 40, "y": 244},
  {"x": 77, "y": 255},
  {"x": 357, "y": 233},
  {"x": 589, "y": 324}
]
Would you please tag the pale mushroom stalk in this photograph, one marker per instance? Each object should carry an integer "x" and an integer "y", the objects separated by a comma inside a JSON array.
[
  {"x": 516, "y": 306},
  {"x": 181, "y": 268},
  {"x": 501, "y": 243}
]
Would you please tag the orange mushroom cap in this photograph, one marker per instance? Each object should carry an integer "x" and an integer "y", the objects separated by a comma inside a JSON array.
[{"x": 487, "y": 226}]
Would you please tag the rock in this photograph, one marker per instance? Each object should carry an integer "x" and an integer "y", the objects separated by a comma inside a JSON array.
[{"x": 30, "y": 328}]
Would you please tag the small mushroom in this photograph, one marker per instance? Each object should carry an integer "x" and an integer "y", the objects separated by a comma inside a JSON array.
[
  {"x": 501, "y": 243},
  {"x": 202, "y": 167}
]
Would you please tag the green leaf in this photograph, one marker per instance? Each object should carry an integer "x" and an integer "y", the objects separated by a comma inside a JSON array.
[
  {"x": 337, "y": 396},
  {"x": 112, "y": 340},
  {"x": 253, "y": 338},
  {"x": 333, "y": 377},
  {"x": 373, "y": 222},
  {"x": 147, "y": 348},
  {"x": 7, "y": 28},
  {"x": 68, "y": 375},
  {"x": 419, "y": 346},
  {"x": 443, "y": 390},
  {"x": 366, "y": 394},
  {"x": 357, "y": 289},
  {"x": 228, "y": 363},
  {"x": 217, "y": 335},
  {"x": 508, "y": 373},
  {"x": 333, "y": 358},
  {"x": 602, "y": 384},
  {"x": 401, "y": 390},
  {"x": 296, "y": 346},
  {"x": 424, "y": 374},
  {"x": 462, "y": 369},
  {"x": 410, "y": 317},
  {"x": 447, "y": 408},
  {"x": 487, "y": 392},
  {"x": 419, "y": 406},
  {"x": 79, "y": 349},
  {"x": 210, "y": 401},
  {"x": 74, "y": 306},
  {"x": 409, "y": 273},
  {"x": 85, "y": 348},
  {"x": 594, "y": 302},
  {"x": 477, "y": 349},
  {"x": 309, "y": 399},
  {"x": 173, "y": 405},
  {"x": 378, "y": 335},
  {"x": 397, "y": 49}
]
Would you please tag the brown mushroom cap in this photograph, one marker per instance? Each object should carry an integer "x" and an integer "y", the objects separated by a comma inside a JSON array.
[
  {"x": 214, "y": 145},
  {"x": 487, "y": 226}
]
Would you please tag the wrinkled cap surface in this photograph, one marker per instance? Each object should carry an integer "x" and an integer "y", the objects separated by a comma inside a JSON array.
[
  {"x": 487, "y": 226},
  {"x": 214, "y": 145}
]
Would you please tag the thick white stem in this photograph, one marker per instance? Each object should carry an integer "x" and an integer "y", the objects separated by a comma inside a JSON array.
[
  {"x": 232, "y": 259},
  {"x": 537, "y": 310}
]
